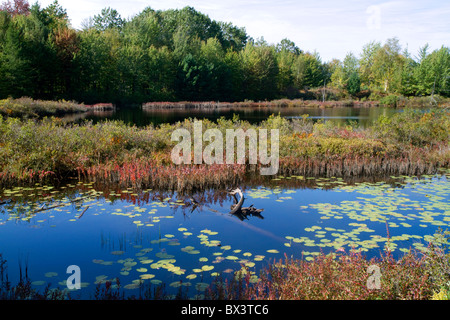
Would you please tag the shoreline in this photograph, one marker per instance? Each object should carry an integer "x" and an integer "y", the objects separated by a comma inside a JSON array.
[
  {"x": 396, "y": 101},
  {"x": 409, "y": 143},
  {"x": 29, "y": 108}
]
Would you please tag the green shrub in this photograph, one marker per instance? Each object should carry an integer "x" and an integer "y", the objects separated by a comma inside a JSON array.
[
  {"x": 390, "y": 100},
  {"x": 29, "y": 108},
  {"x": 415, "y": 127}
]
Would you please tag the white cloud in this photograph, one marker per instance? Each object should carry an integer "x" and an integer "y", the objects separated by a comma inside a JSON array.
[{"x": 333, "y": 28}]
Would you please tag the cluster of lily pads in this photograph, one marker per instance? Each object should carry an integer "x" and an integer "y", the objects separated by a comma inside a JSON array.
[
  {"x": 158, "y": 260},
  {"x": 165, "y": 264},
  {"x": 393, "y": 208},
  {"x": 374, "y": 216}
]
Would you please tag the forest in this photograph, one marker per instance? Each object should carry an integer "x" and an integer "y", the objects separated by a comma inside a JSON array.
[
  {"x": 107, "y": 197},
  {"x": 183, "y": 55}
]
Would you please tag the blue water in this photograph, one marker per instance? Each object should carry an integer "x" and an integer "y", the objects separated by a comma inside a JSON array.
[
  {"x": 298, "y": 221},
  {"x": 364, "y": 117}
]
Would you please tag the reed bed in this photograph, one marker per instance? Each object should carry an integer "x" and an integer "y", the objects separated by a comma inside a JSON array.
[
  {"x": 410, "y": 143},
  {"x": 146, "y": 173},
  {"x": 101, "y": 107},
  {"x": 418, "y": 162},
  {"x": 187, "y": 105},
  {"x": 314, "y": 99},
  {"x": 29, "y": 108},
  {"x": 281, "y": 103},
  {"x": 341, "y": 275}
]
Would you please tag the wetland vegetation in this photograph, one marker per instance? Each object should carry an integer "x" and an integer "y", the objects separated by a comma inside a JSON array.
[
  {"x": 345, "y": 198},
  {"x": 106, "y": 196},
  {"x": 320, "y": 233},
  {"x": 411, "y": 142}
]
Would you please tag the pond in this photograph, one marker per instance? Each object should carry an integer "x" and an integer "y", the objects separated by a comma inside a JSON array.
[
  {"x": 364, "y": 116},
  {"x": 149, "y": 237}
]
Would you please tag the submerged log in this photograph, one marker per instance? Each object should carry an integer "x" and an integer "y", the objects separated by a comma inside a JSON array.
[
  {"x": 243, "y": 212},
  {"x": 238, "y": 204},
  {"x": 237, "y": 209}
]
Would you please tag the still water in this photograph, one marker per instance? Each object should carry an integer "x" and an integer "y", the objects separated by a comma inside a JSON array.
[
  {"x": 147, "y": 237},
  {"x": 364, "y": 116}
]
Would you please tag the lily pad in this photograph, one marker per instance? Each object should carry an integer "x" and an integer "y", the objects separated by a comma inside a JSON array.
[
  {"x": 51, "y": 274},
  {"x": 207, "y": 268}
]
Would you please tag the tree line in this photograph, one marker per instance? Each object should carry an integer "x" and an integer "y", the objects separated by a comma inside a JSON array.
[{"x": 183, "y": 55}]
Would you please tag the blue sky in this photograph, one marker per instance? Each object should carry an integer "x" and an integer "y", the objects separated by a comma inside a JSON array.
[{"x": 332, "y": 28}]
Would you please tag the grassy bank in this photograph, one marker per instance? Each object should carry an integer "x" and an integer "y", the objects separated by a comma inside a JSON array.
[
  {"x": 282, "y": 103},
  {"x": 29, "y": 108},
  {"x": 411, "y": 142},
  {"x": 346, "y": 276},
  {"x": 313, "y": 100}
]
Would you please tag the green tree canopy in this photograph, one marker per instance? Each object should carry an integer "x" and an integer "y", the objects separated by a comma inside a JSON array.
[{"x": 183, "y": 54}]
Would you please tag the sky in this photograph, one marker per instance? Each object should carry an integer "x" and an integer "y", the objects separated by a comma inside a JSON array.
[{"x": 331, "y": 28}]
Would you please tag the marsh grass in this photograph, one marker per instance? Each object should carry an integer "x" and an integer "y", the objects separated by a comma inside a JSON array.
[
  {"x": 315, "y": 99},
  {"x": 345, "y": 276},
  {"x": 281, "y": 103},
  {"x": 29, "y": 108},
  {"x": 327, "y": 277},
  {"x": 411, "y": 142},
  {"x": 417, "y": 275}
]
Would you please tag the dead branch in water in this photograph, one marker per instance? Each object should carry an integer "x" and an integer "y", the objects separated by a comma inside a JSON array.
[{"x": 85, "y": 209}]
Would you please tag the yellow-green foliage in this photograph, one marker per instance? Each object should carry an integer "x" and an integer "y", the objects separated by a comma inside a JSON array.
[
  {"x": 441, "y": 295},
  {"x": 337, "y": 147},
  {"x": 416, "y": 127},
  {"x": 409, "y": 139},
  {"x": 29, "y": 108},
  {"x": 51, "y": 145}
]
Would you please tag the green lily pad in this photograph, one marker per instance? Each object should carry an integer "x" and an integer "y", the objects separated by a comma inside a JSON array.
[
  {"x": 201, "y": 286},
  {"x": 207, "y": 268},
  {"x": 51, "y": 274}
]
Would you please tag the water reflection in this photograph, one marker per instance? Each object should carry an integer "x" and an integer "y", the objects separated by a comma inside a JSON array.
[
  {"x": 363, "y": 116},
  {"x": 39, "y": 198},
  {"x": 236, "y": 209},
  {"x": 159, "y": 236}
]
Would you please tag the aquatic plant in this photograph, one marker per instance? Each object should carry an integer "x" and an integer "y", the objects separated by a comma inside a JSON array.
[
  {"x": 30, "y": 108},
  {"x": 147, "y": 173},
  {"x": 375, "y": 203},
  {"x": 343, "y": 276},
  {"x": 36, "y": 151}
]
